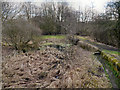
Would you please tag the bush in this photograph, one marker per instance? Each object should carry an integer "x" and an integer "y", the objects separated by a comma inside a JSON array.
[{"x": 19, "y": 32}]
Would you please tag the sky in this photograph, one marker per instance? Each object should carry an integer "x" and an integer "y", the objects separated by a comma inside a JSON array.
[{"x": 99, "y": 5}]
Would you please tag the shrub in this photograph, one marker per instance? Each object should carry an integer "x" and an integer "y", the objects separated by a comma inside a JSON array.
[{"x": 19, "y": 32}]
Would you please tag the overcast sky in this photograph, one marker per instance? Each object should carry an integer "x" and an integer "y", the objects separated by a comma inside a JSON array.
[{"x": 99, "y": 5}]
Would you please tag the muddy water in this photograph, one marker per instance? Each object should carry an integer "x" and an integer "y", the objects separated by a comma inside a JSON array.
[{"x": 113, "y": 79}]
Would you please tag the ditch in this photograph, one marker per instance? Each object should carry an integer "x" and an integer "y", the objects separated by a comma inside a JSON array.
[{"x": 115, "y": 81}]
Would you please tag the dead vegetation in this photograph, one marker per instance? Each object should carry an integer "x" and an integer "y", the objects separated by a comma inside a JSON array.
[{"x": 52, "y": 68}]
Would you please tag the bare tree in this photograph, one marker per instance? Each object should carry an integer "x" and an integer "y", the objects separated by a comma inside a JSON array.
[
  {"x": 10, "y": 10},
  {"x": 27, "y": 10}
]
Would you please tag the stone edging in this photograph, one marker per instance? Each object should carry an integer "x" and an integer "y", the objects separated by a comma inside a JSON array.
[
  {"x": 88, "y": 46},
  {"x": 112, "y": 61}
]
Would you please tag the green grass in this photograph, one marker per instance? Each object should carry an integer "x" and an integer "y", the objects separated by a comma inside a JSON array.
[
  {"x": 61, "y": 44},
  {"x": 111, "y": 52},
  {"x": 42, "y": 37},
  {"x": 46, "y": 44},
  {"x": 53, "y": 36},
  {"x": 82, "y": 38}
]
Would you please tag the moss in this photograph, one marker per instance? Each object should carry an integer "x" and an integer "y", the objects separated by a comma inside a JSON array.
[
  {"x": 114, "y": 61},
  {"x": 102, "y": 53},
  {"x": 109, "y": 58},
  {"x": 106, "y": 57},
  {"x": 113, "y": 68},
  {"x": 115, "y": 71},
  {"x": 118, "y": 64}
]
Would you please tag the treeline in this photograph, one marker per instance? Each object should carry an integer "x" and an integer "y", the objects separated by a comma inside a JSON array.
[{"x": 51, "y": 18}]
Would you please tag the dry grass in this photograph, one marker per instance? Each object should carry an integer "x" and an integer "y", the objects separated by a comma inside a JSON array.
[{"x": 49, "y": 68}]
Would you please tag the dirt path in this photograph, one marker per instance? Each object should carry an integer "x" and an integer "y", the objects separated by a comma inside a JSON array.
[
  {"x": 103, "y": 46},
  {"x": 51, "y": 68}
]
